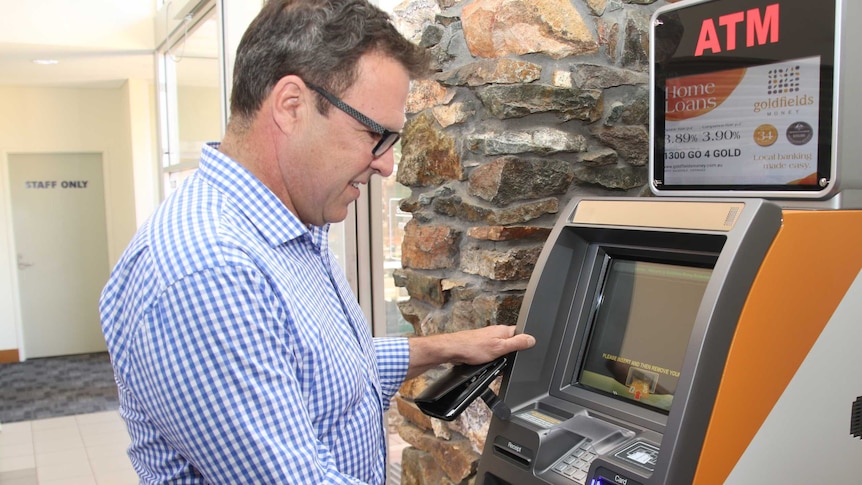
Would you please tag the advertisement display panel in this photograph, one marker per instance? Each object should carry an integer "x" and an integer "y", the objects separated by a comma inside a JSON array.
[{"x": 743, "y": 98}]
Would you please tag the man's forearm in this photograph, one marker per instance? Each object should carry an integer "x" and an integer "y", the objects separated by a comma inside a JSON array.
[{"x": 428, "y": 352}]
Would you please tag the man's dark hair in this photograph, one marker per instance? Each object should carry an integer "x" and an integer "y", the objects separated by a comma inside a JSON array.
[{"x": 320, "y": 41}]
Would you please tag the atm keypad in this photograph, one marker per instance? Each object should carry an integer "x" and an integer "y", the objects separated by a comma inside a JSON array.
[{"x": 576, "y": 463}]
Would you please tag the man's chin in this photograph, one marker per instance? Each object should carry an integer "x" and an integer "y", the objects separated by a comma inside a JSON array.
[{"x": 335, "y": 217}]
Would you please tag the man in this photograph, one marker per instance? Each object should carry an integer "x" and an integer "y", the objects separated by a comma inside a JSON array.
[{"x": 239, "y": 352}]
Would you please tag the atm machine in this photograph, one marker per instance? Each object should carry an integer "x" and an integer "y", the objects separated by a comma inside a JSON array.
[{"x": 712, "y": 333}]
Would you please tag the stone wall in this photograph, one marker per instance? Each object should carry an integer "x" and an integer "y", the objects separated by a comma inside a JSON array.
[{"x": 533, "y": 102}]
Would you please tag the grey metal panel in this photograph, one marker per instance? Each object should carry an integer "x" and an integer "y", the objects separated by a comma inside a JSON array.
[
  {"x": 847, "y": 142},
  {"x": 722, "y": 304},
  {"x": 553, "y": 309},
  {"x": 546, "y": 298}
]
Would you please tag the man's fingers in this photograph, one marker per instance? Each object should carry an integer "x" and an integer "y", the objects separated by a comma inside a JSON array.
[{"x": 522, "y": 341}]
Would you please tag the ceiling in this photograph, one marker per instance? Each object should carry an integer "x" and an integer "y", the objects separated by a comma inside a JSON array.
[{"x": 97, "y": 43}]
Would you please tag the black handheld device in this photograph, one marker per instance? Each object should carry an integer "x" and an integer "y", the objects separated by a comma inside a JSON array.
[{"x": 450, "y": 395}]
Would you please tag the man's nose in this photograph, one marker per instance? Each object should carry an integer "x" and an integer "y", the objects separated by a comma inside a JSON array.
[{"x": 384, "y": 164}]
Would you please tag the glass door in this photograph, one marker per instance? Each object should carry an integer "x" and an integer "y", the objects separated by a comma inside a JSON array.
[
  {"x": 388, "y": 221},
  {"x": 189, "y": 94}
]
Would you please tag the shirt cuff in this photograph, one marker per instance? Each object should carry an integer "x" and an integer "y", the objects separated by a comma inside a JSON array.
[{"x": 393, "y": 359}]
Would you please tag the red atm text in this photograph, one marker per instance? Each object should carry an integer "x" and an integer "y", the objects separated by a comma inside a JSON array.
[{"x": 760, "y": 29}]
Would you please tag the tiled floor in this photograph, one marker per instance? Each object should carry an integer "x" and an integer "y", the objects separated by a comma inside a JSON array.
[{"x": 87, "y": 449}]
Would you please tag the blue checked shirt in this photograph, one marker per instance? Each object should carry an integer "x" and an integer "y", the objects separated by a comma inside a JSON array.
[{"x": 240, "y": 353}]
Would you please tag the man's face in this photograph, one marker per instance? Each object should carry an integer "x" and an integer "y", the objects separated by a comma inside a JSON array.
[{"x": 337, "y": 157}]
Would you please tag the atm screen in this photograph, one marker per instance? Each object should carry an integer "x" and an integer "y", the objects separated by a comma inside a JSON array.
[
  {"x": 640, "y": 331},
  {"x": 743, "y": 96}
]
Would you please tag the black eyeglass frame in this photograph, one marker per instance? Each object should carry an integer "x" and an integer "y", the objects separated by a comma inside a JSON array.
[{"x": 387, "y": 138}]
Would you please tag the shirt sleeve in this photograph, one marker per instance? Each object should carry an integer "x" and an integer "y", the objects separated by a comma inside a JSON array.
[
  {"x": 217, "y": 374},
  {"x": 393, "y": 359}
]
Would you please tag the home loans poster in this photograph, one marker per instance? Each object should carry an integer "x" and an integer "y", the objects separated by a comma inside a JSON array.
[{"x": 750, "y": 126}]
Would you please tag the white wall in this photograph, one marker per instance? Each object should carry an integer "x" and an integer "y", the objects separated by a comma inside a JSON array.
[
  {"x": 101, "y": 24},
  {"x": 145, "y": 164},
  {"x": 234, "y": 17},
  {"x": 199, "y": 116},
  {"x": 115, "y": 122},
  {"x": 118, "y": 122}
]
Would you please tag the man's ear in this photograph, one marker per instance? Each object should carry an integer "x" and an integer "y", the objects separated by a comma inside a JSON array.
[{"x": 289, "y": 103}]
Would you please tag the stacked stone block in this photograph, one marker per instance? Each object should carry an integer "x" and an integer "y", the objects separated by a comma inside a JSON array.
[{"x": 533, "y": 103}]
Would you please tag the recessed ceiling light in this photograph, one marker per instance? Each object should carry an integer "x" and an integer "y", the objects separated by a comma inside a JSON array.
[{"x": 46, "y": 62}]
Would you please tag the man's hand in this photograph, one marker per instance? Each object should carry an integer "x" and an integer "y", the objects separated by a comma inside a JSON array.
[{"x": 465, "y": 347}]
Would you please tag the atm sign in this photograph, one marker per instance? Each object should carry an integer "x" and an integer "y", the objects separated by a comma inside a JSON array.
[{"x": 761, "y": 27}]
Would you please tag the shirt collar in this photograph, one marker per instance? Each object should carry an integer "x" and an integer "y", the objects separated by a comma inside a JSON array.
[{"x": 254, "y": 200}]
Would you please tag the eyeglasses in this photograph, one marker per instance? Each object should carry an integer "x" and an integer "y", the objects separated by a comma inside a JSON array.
[{"x": 387, "y": 138}]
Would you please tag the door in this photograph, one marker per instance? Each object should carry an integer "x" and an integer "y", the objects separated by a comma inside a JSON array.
[{"x": 58, "y": 218}]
